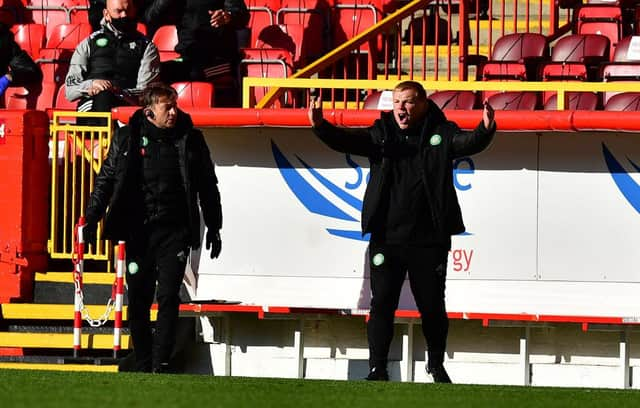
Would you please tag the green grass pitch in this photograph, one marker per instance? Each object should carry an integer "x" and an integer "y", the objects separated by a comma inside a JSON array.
[{"x": 42, "y": 389}]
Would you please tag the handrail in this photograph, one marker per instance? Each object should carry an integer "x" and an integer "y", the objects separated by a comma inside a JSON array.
[
  {"x": 384, "y": 37},
  {"x": 502, "y": 86},
  {"x": 351, "y": 45}
]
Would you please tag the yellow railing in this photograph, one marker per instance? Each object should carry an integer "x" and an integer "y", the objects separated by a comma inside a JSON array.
[
  {"x": 317, "y": 85},
  {"x": 382, "y": 50},
  {"x": 77, "y": 152}
]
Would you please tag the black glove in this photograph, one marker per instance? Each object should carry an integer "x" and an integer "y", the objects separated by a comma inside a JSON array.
[
  {"x": 89, "y": 233},
  {"x": 214, "y": 242}
]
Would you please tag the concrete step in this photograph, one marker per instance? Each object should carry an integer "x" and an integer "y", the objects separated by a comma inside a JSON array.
[
  {"x": 39, "y": 311},
  {"x": 40, "y": 340},
  {"x": 59, "y": 367}
]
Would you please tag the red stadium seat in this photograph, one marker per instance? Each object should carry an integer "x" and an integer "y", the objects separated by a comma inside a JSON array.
[
  {"x": 261, "y": 15},
  {"x": 311, "y": 15},
  {"x": 260, "y": 54},
  {"x": 514, "y": 101},
  {"x": 349, "y": 20},
  {"x": 194, "y": 94},
  {"x": 50, "y": 17},
  {"x": 381, "y": 100},
  {"x": 47, "y": 3},
  {"x": 30, "y": 98},
  {"x": 30, "y": 37},
  {"x": 68, "y": 36},
  {"x": 601, "y": 19},
  {"x": 54, "y": 64},
  {"x": 575, "y": 101},
  {"x": 289, "y": 37},
  {"x": 61, "y": 101},
  {"x": 267, "y": 63},
  {"x": 621, "y": 71},
  {"x": 627, "y": 49},
  {"x": 576, "y": 58},
  {"x": 626, "y": 101},
  {"x": 515, "y": 57},
  {"x": 459, "y": 100},
  {"x": 166, "y": 39},
  {"x": 584, "y": 52},
  {"x": 79, "y": 14}
]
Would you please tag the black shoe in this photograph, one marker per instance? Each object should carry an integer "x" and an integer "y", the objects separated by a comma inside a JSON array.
[
  {"x": 378, "y": 374},
  {"x": 163, "y": 368},
  {"x": 439, "y": 375}
]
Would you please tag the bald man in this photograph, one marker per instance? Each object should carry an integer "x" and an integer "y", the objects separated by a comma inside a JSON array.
[{"x": 113, "y": 65}]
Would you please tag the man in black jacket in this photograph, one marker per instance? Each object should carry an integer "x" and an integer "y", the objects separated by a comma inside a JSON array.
[
  {"x": 157, "y": 170},
  {"x": 208, "y": 46},
  {"x": 411, "y": 210},
  {"x": 17, "y": 68}
]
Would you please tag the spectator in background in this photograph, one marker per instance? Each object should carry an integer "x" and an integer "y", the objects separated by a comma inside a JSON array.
[
  {"x": 151, "y": 13},
  {"x": 157, "y": 175},
  {"x": 17, "y": 68},
  {"x": 411, "y": 210},
  {"x": 208, "y": 46},
  {"x": 113, "y": 65}
]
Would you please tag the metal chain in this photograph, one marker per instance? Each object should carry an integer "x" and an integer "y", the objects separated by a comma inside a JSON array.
[{"x": 83, "y": 309}]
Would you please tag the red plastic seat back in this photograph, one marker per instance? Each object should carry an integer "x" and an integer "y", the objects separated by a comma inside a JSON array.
[
  {"x": 514, "y": 101},
  {"x": 575, "y": 101},
  {"x": 54, "y": 64},
  {"x": 166, "y": 39},
  {"x": 40, "y": 98},
  {"x": 347, "y": 21},
  {"x": 516, "y": 47},
  {"x": 626, "y": 101},
  {"x": 61, "y": 101},
  {"x": 575, "y": 47},
  {"x": 627, "y": 49},
  {"x": 68, "y": 36},
  {"x": 194, "y": 94},
  {"x": 49, "y": 17},
  {"x": 30, "y": 37},
  {"x": 460, "y": 100}
]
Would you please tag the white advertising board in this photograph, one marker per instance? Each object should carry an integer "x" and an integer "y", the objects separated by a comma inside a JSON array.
[{"x": 551, "y": 222}]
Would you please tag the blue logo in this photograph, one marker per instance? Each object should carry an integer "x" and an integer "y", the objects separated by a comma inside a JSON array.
[
  {"x": 316, "y": 203},
  {"x": 627, "y": 185}
]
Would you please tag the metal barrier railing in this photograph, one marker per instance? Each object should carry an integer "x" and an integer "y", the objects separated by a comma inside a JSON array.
[
  {"x": 77, "y": 152},
  {"x": 427, "y": 40},
  {"x": 321, "y": 87}
]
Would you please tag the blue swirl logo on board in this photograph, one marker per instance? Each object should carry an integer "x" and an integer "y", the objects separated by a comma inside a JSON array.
[
  {"x": 317, "y": 203},
  {"x": 629, "y": 188}
]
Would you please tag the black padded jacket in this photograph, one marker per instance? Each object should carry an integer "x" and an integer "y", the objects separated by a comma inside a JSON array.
[
  {"x": 442, "y": 142},
  {"x": 118, "y": 190}
]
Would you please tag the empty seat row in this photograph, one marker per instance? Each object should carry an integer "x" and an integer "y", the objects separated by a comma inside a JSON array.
[
  {"x": 49, "y": 15},
  {"x": 51, "y": 95},
  {"x": 576, "y": 57}
]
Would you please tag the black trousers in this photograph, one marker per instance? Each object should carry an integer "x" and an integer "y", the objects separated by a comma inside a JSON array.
[
  {"x": 427, "y": 268},
  {"x": 160, "y": 251},
  {"x": 102, "y": 102}
]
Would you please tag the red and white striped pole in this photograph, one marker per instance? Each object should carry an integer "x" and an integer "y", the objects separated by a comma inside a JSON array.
[
  {"x": 78, "y": 270},
  {"x": 119, "y": 297}
]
